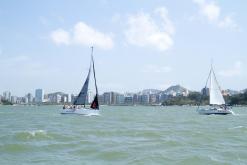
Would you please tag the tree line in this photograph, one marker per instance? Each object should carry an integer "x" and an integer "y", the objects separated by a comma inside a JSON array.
[{"x": 196, "y": 98}]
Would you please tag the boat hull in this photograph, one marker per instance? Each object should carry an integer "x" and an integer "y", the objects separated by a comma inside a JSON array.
[
  {"x": 214, "y": 111},
  {"x": 81, "y": 111}
]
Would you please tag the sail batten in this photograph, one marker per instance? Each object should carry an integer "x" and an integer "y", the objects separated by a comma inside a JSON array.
[{"x": 216, "y": 97}]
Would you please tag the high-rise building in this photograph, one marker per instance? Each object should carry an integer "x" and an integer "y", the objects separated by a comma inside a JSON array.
[
  {"x": 120, "y": 99},
  {"x": 101, "y": 99},
  {"x": 205, "y": 91},
  {"x": 7, "y": 95},
  {"x": 135, "y": 99},
  {"x": 64, "y": 99},
  {"x": 29, "y": 98},
  {"x": 152, "y": 99},
  {"x": 128, "y": 100},
  {"x": 69, "y": 98},
  {"x": 107, "y": 98},
  {"x": 73, "y": 98},
  {"x": 39, "y": 95},
  {"x": 58, "y": 98},
  {"x": 13, "y": 99},
  {"x": 144, "y": 99},
  {"x": 25, "y": 100},
  {"x": 113, "y": 98}
]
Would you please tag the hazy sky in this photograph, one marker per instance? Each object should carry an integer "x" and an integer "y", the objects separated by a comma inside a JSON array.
[{"x": 138, "y": 44}]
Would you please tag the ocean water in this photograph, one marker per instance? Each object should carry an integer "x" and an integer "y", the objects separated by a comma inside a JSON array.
[{"x": 121, "y": 135}]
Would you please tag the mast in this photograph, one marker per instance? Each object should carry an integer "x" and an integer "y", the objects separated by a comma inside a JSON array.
[
  {"x": 95, "y": 103},
  {"x": 96, "y": 88}
]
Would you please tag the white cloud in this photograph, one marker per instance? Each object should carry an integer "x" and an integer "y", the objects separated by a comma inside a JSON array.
[
  {"x": 228, "y": 22},
  {"x": 156, "y": 69},
  {"x": 144, "y": 30},
  {"x": 236, "y": 70},
  {"x": 84, "y": 35},
  {"x": 60, "y": 36},
  {"x": 212, "y": 12}
]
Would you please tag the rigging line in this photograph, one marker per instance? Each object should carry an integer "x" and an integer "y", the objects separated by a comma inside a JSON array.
[
  {"x": 94, "y": 73},
  {"x": 205, "y": 88}
]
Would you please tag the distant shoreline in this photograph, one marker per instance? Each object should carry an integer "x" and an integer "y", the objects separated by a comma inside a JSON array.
[{"x": 138, "y": 105}]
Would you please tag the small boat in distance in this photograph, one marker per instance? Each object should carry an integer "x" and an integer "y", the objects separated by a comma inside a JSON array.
[
  {"x": 79, "y": 104},
  {"x": 216, "y": 99}
]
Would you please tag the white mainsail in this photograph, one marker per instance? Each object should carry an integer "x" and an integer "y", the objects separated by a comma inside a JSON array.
[{"x": 215, "y": 94}]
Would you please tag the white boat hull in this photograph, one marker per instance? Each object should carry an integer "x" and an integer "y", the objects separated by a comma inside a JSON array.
[
  {"x": 81, "y": 111},
  {"x": 214, "y": 111}
]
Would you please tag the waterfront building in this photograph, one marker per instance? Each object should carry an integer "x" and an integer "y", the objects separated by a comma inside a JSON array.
[
  {"x": 120, "y": 99},
  {"x": 101, "y": 99},
  {"x": 128, "y": 100},
  {"x": 145, "y": 99},
  {"x": 205, "y": 91},
  {"x": 153, "y": 99},
  {"x": 39, "y": 95},
  {"x": 29, "y": 98},
  {"x": 107, "y": 98},
  {"x": 58, "y": 98},
  {"x": 69, "y": 98},
  {"x": 139, "y": 99},
  {"x": 25, "y": 100},
  {"x": 135, "y": 99},
  {"x": 7, "y": 95},
  {"x": 73, "y": 98},
  {"x": 65, "y": 99},
  {"x": 113, "y": 98},
  {"x": 13, "y": 99}
]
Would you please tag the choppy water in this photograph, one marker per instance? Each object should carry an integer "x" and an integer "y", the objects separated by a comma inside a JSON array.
[{"x": 121, "y": 135}]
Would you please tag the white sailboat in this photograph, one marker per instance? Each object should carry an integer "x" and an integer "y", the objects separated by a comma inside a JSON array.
[
  {"x": 79, "y": 104},
  {"x": 216, "y": 99}
]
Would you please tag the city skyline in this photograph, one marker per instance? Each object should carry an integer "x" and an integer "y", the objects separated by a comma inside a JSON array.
[
  {"x": 138, "y": 44},
  {"x": 144, "y": 97},
  {"x": 173, "y": 88}
]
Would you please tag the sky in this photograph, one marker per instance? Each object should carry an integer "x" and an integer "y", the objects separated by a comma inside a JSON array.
[{"x": 138, "y": 44}]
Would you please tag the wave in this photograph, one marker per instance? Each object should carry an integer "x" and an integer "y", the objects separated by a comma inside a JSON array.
[
  {"x": 92, "y": 114},
  {"x": 235, "y": 114},
  {"x": 238, "y": 127},
  {"x": 34, "y": 134}
]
